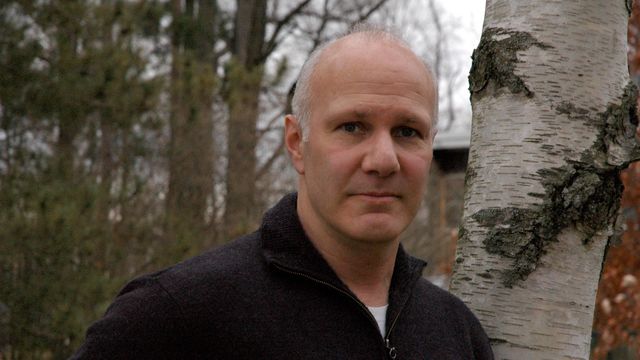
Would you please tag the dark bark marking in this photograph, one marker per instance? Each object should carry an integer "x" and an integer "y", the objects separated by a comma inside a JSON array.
[
  {"x": 577, "y": 194},
  {"x": 495, "y": 341},
  {"x": 571, "y": 110},
  {"x": 584, "y": 193},
  {"x": 462, "y": 236},
  {"x": 629, "y": 4},
  {"x": 469, "y": 175},
  {"x": 617, "y": 144},
  {"x": 618, "y": 139},
  {"x": 485, "y": 275},
  {"x": 494, "y": 61}
]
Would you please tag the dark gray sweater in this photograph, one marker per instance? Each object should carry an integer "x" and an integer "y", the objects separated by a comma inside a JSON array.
[{"x": 271, "y": 295}]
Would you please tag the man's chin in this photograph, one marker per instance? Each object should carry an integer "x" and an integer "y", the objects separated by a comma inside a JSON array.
[
  {"x": 375, "y": 199},
  {"x": 376, "y": 228}
]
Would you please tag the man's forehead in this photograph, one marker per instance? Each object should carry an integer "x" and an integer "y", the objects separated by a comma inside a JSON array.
[
  {"x": 374, "y": 66},
  {"x": 360, "y": 50}
]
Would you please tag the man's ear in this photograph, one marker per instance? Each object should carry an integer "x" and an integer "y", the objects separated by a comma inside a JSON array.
[{"x": 294, "y": 142}]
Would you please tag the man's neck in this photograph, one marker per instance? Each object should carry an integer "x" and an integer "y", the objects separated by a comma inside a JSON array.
[
  {"x": 365, "y": 267},
  {"x": 367, "y": 275}
]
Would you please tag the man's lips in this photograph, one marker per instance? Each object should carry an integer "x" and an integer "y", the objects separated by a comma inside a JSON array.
[{"x": 378, "y": 194}]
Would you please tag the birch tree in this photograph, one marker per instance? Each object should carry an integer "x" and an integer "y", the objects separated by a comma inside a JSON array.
[{"x": 554, "y": 119}]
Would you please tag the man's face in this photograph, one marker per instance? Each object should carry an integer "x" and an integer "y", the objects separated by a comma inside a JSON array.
[{"x": 364, "y": 165}]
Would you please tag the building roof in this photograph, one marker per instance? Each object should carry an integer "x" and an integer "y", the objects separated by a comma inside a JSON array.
[{"x": 457, "y": 137}]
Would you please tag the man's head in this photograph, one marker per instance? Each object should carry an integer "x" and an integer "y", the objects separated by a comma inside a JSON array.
[
  {"x": 300, "y": 103},
  {"x": 363, "y": 150}
]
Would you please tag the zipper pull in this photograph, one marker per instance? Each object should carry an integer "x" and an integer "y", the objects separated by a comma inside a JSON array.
[{"x": 391, "y": 349}]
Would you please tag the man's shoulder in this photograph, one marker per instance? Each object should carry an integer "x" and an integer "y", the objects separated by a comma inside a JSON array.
[
  {"x": 443, "y": 313},
  {"x": 203, "y": 277},
  {"x": 241, "y": 252},
  {"x": 162, "y": 311},
  {"x": 238, "y": 258},
  {"x": 436, "y": 299},
  {"x": 430, "y": 291}
]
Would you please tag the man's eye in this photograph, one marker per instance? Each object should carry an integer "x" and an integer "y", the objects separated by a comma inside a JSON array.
[
  {"x": 350, "y": 127},
  {"x": 406, "y": 132}
]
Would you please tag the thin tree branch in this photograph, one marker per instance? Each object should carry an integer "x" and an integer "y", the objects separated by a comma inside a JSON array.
[
  {"x": 270, "y": 126},
  {"x": 373, "y": 9},
  {"x": 271, "y": 43},
  {"x": 274, "y": 156}
]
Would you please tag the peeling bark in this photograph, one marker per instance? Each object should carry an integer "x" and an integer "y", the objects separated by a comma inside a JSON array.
[
  {"x": 554, "y": 119},
  {"x": 495, "y": 59}
]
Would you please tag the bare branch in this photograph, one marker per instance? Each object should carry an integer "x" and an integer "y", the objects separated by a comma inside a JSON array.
[
  {"x": 451, "y": 107},
  {"x": 323, "y": 24},
  {"x": 439, "y": 40},
  {"x": 270, "y": 126},
  {"x": 274, "y": 156},
  {"x": 373, "y": 9},
  {"x": 271, "y": 43}
]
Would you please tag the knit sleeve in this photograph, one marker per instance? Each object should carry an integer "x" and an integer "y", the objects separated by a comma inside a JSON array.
[
  {"x": 144, "y": 322},
  {"x": 481, "y": 346}
]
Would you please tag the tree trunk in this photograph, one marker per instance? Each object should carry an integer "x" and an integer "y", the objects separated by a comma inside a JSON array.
[
  {"x": 191, "y": 145},
  {"x": 244, "y": 80},
  {"x": 554, "y": 118}
]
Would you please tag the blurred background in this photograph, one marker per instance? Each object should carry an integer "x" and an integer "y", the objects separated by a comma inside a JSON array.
[{"x": 137, "y": 133}]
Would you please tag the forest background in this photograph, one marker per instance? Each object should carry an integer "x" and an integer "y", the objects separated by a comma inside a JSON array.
[{"x": 134, "y": 134}]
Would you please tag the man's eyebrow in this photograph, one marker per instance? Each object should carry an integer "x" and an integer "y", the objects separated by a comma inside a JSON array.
[
  {"x": 356, "y": 114},
  {"x": 363, "y": 114},
  {"x": 413, "y": 120},
  {"x": 359, "y": 114}
]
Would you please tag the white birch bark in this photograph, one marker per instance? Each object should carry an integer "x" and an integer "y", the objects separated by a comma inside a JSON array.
[{"x": 551, "y": 130}]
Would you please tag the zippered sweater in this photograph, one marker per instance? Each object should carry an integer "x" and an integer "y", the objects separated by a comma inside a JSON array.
[{"x": 271, "y": 295}]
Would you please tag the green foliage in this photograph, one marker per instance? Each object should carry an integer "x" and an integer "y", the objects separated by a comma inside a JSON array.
[
  {"x": 52, "y": 262},
  {"x": 238, "y": 82},
  {"x": 76, "y": 103}
]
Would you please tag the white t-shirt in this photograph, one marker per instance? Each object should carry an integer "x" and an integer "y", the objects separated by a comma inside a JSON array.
[{"x": 380, "y": 314}]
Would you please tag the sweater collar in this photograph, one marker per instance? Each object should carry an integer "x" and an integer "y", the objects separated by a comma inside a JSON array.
[{"x": 285, "y": 244}]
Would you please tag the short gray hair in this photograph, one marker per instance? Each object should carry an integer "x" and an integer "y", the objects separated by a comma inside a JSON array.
[{"x": 301, "y": 102}]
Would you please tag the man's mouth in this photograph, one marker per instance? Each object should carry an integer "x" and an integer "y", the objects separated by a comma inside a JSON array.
[{"x": 379, "y": 193}]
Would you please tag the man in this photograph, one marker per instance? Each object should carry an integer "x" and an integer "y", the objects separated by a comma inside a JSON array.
[{"x": 324, "y": 277}]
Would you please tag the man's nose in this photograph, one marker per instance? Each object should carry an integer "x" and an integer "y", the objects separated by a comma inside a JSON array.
[{"x": 381, "y": 158}]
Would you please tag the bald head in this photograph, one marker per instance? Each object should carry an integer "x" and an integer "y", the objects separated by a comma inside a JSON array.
[{"x": 355, "y": 45}]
